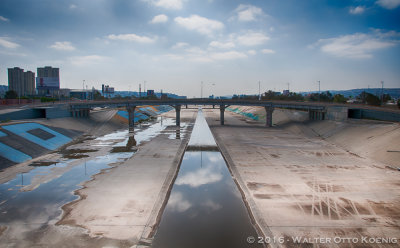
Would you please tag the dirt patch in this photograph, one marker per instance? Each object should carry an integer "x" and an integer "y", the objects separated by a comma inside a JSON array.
[
  {"x": 2, "y": 229},
  {"x": 43, "y": 163},
  {"x": 255, "y": 185},
  {"x": 385, "y": 209},
  {"x": 267, "y": 196},
  {"x": 76, "y": 153}
]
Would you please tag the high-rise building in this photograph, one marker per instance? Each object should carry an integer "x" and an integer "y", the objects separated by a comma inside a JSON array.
[
  {"x": 48, "y": 81},
  {"x": 23, "y": 83},
  {"x": 16, "y": 80},
  {"x": 29, "y": 83},
  {"x": 48, "y": 72}
]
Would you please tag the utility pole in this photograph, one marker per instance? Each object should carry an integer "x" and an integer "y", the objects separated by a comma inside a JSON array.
[
  {"x": 201, "y": 92},
  {"x": 382, "y": 94},
  {"x": 319, "y": 90},
  {"x": 83, "y": 88},
  {"x": 259, "y": 90},
  {"x": 140, "y": 90}
]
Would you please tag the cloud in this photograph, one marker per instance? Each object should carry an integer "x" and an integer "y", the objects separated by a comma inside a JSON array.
[
  {"x": 131, "y": 37},
  {"x": 167, "y": 4},
  {"x": 87, "y": 60},
  {"x": 180, "y": 45},
  {"x": 252, "y": 52},
  {"x": 388, "y": 4},
  {"x": 267, "y": 51},
  {"x": 63, "y": 46},
  {"x": 211, "y": 205},
  {"x": 357, "y": 10},
  {"x": 159, "y": 19},
  {"x": 200, "y": 24},
  {"x": 228, "y": 55},
  {"x": 173, "y": 56},
  {"x": 247, "y": 13},
  {"x": 358, "y": 45},
  {"x": 252, "y": 39},
  {"x": 2, "y": 18},
  {"x": 7, "y": 44},
  {"x": 199, "y": 177},
  {"x": 73, "y": 6},
  {"x": 177, "y": 203},
  {"x": 222, "y": 45}
]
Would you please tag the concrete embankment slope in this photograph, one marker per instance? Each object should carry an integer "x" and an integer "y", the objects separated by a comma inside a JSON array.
[
  {"x": 377, "y": 140},
  {"x": 299, "y": 185},
  {"x": 126, "y": 202},
  {"x": 21, "y": 141}
]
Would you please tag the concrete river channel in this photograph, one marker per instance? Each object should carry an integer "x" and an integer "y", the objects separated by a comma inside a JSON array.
[{"x": 204, "y": 209}]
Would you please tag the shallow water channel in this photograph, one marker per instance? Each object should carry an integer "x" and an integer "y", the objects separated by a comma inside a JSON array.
[{"x": 205, "y": 208}]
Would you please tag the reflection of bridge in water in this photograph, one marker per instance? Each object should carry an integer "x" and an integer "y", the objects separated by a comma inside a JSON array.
[{"x": 316, "y": 110}]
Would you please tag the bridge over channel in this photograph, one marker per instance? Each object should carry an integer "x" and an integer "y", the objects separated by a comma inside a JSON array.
[{"x": 82, "y": 109}]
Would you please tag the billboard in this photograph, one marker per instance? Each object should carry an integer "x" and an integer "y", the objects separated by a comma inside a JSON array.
[{"x": 47, "y": 83}]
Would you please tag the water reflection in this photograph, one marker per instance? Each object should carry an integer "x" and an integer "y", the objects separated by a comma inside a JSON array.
[
  {"x": 43, "y": 204},
  {"x": 205, "y": 208}
]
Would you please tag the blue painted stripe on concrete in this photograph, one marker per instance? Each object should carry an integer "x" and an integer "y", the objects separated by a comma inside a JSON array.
[
  {"x": 12, "y": 154},
  {"x": 123, "y": 113},
  {"x": 50, "y": 144},
  {"x": 138, "y": 116}
]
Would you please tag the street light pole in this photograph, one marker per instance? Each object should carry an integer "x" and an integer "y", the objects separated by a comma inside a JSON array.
[
  {"x": 201, "y": 92},
  {"x": 382, "y": 94},
  {"x": 83, "y": 89},
  {"x": 319, "y": 90},
  {"x": 259, "y": 90}
]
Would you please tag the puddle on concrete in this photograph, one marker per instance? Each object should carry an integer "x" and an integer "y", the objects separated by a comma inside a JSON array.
[
  {"x": 26, "y": 212},
  {"x": 147, "y": 132},
  {"x": 205, "y": 208},
  {"x": 42, "y": 205}
]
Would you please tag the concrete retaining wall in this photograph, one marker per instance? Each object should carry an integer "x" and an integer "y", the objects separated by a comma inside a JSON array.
[
  {"x": 60, "y": 112},
  {"x": 337, "y": 113},
  {"x": 20, "y": 114},
  {"x": 373, "y": 114}
]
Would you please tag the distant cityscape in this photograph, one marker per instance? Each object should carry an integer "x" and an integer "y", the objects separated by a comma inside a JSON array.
[{"x": 24, "y": 85}]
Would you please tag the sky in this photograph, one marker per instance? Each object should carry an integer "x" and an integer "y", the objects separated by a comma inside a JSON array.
[{"x": 229, "y": 45}]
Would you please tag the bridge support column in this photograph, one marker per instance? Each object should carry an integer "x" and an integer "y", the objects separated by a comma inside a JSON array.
[
  {"x": 178, "y": 114},
  {"x": 131, "y": 117},
  {"x": 221, "y": 114},
  {"x": 316, "y": 115},
  {"x": 268, "y": 116}
]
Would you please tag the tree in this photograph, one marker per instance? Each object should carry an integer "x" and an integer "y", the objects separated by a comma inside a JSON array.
[
  {"x": 97, "y": 95},
  {"x": 339, "y": 98},
  {"x": 369, "y": 98},
  {"x": 398, "y": 103},
  {"x": 386, "y": 97},
  {"x": 11, "y": 95}
]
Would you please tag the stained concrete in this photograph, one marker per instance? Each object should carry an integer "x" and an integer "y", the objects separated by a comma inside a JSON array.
[{"x": 302, "y": 186}]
